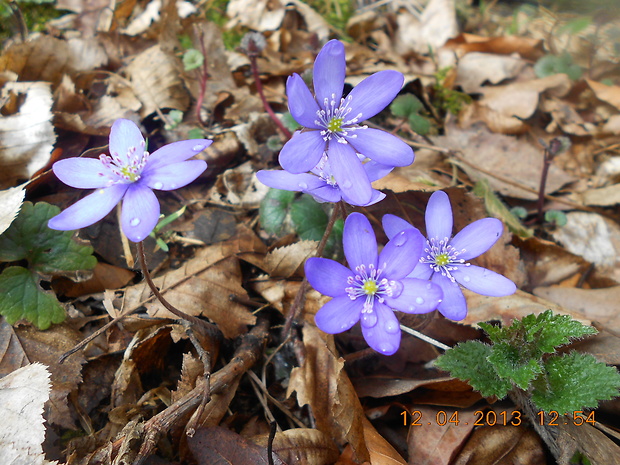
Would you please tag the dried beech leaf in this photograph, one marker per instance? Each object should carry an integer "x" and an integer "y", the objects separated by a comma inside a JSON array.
[
  {"x": 22, "y": 395},
  {"x": 156, "y": 81},
  {"x": 475, "y": 68},
  {"x": 380, "y": 451},
  {"x": 12, "y": 355},
  {"x": 322, "y": 383},
  {"x": 301, "y": 446},
  {"x": 284, "y": 261},
  {"x": 27, "y": 136},
  {"x": 606, "y": 93},
  {"x": 11, "y": 201}
]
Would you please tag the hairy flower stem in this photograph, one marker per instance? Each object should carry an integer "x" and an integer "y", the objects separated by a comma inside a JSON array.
[
  {"x": 551, "y": 150},
  {"x": 297, "y": 305},
  {"x": 424, "y": 337},
  {"x": 259, "y": 88}
]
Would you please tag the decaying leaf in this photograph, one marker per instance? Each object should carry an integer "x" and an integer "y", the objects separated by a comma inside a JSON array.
[
  {"x": 11, "y": 201},
  {"x": 301, "y": 446},
  {"x": 284, "y": 261}
]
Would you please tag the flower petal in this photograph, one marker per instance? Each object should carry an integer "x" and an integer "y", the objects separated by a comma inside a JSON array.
[
  {"x": 338, "y": 315},
  {"x": 393, "y": 224},
  {"x": 329, "y": 71},
  {"x": 384, "y": 337},
  {"x": 175, "y": 152},
  {"x": 124, "y": 135},
  {"x": 359, "y": 242},
  {"x": 140, "y": 212},
  {"x": 327, "y": 276},
  {"x": 438, "y": 216},
  {"x": 349, "y": 173},
  {"x": 401, "y": 254},
  {"x": 376, "y": 170},
  {"x": 453, "y": 305},
  {"x": 325, "y": 193},
  {"x": 483, "y": 281},
  {"x": 421, "y": 271},
  {"x": 174, "y": 176},
  {"x": 375, "y": 93},
  {"x": 303, "y": 152},
  {"x": 381, "y": 147},
  {"x": 81, "y": 173},
  {"x": 417, "y": 296},
  {"x": 301, "y": 103},
  {"x": 283, "y": 180},
  {"x": 478, "y": 237},
  {"x": 90, "y": 209}
]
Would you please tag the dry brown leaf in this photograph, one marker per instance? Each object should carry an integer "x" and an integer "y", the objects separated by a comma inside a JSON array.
[
  {"x": 566, "y": 118},
  {"x": 155, "y": 79},
  {"x": 11, "y": 201},
  {"x": 496, "y": 154},
  {"x": 603, "y": 196},
  {"x": 606, "y": 93},
  {"x": 284, "y": 261},
  {"x": 507, "y": 45},
  {"x": 104, "y": 277},
  {"x": 218, "y": 406},
  {"x": 22, "y": 395},
  {"x": 12, "y": 355},
  {"x": 380, "y": 450},
  {"x": 322, "y": 383},
  {"x": 595, "y": 445},
  {"x": 386, "y": 386},
  {"x": 476, "y": 68},
  {"x": 259, "y": 15},
  {"x": 26, "y": 133},
  {"x": 301, "y": 446}
]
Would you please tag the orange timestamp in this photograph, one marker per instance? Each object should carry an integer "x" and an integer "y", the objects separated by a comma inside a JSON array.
[
  {"x": 577, "y": 418},
  {"x": 493, "y": 418}
]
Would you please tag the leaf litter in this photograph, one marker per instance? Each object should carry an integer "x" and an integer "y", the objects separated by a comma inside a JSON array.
[{"x": 137, "y": 388}]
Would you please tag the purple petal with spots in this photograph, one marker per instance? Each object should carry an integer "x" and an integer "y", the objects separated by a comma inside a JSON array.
[
  {"x": 125, "y": 135},
  {"x": 453, "y": 305},
  {"x": 280, "y": 179},
  {"x": 327, "y": 276},
  {"x": 303, "y": 152},
  {"x": 174, "y": 176},
  {"x": 175, "y": 152},
  {"x": 417, "y": 296},
  {"x": 401, "y": 254},
  {"x": 89, "y": 210},
  {"x": 438, "y": 216},
  {"x": 301, "y": 103},
  {"x": 381, "y": 147},
  {"x": 81, "y": 173},
  {"x": 483, "y": 281},
  {"x": 375, "y": 92},
  {"x": 329, "y": 72},
  {"x": 338, "y": 315},
  {"x": 140, "y": 212},
  {"x": 349, "y": 173},
  {"x": 477, "y": 237},
  {"x": 384, "y": 337},
  {"x": 359, "y": 242},
  {"x": 393, "y": 224}
]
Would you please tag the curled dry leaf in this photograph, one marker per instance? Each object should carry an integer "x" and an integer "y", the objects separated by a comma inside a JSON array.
[
  {"x": 284, "y": 261},
  {"x": 11, "y": 201},
  {"x": 606, "y": 93},
  {"x": 476, "y": 68},
  {"x": 301, "y": 446},
  {"x": 26, "y": 135}
]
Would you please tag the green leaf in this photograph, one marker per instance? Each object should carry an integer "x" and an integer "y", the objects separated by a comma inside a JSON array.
[
  {"x": 510, "y": 364},
  {"x": 195, "y": 133},
  {"x": 551, "y": 64},
  {"x": 419, "y": 124},
  {"x": 576, "y": 25},
  {"x": 309, "y": 218},
  {"x": 556, "y": 217},
  {"x": 192, "y": 59},
  {"x": 289, "y": 122},
  {"x": 574, "y": 381},
  {"x": 21, "y": 297},
  {"x": 405, "y": 105},
  {"x": 469, "y": 361},
  {"x": 273, "y": 210},
  {"x": 47, "y": 251}
]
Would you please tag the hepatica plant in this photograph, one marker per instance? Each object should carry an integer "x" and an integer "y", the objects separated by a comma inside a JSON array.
[
  {"x": 372, "y": 285},
  {"x": 129, "y": 173}
]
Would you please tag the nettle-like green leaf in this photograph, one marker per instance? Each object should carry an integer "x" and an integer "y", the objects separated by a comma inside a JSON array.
[
  {"x": 574, "y": 381},
  {"x": 469, "y": 361},
  {"x": 309, "y": 218},
  {"x": 409, "y": 106},
  {"x": 48, "y": 253},
  {"x": 23, "y": 298},
  {"x": 274, "y": 209},
  {"x": 511, "y": 364}
]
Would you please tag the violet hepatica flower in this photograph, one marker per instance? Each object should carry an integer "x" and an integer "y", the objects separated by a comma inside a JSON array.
[
  {"x": 129, "y": 174},
  {"x": 445, "y": 258},
  {"x": 373, "y": 285},
  {"x": 321, "y": 184},
  {"x": 333, "y": 123}
]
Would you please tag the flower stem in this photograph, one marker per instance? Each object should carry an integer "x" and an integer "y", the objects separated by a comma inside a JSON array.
[
  {"x": 551, "y": 150},
  {"x": 171, "y": 308},
  {"x": 297, "y": 305},
  {"x": 204, "y": 76},
  {"x": 424, "y": 337}
]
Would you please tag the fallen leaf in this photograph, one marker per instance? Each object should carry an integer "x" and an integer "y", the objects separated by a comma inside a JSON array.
[
  {"x": 12, "y": 355},
  {"x": 476, "y": 68},
  {"x": 301, "y": 446},
  {"x": 11, "y": 201},
  {"x": 606, "y": 93},
  {"x": 429, "y": 30},
  {"x": 284, "y": 261}
]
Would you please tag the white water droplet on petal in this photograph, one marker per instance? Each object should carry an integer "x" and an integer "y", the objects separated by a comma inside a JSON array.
[
  {"x": 158, "y": 185},
  {"x": 391, "y": 327},
  {"x": 173, "y": 186},
  {"x": 198, "y": 148},
  {"x": 347, "y": 184},
  {"x": 134, "y": 221},
  {"x": 419, "y": 300},
  {"x": 429, "y": 285},
  {"x": 303, "y": 185},
  {"x": 386, "y": 347},
  {"x": 400, "y": 239},
  {"x": 466, "y": 279},
  {"x": 369, "y": 320},
  {"x": 412, "y": 308}
]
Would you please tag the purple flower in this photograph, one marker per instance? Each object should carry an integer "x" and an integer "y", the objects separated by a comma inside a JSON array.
[
  {"x": 445, "y": 257},
  {"x": 333, "y": 123},
  {"x": 321, "y": 184},
  {"x": 129, "y": 173},
  {"x": 373, "y": 285}
]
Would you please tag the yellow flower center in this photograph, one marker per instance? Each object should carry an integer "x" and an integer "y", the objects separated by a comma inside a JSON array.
[
  {"x": 335, "y": 124},
  {"x": 442, "y": 259},
  {"x": 370, "y": 287}
]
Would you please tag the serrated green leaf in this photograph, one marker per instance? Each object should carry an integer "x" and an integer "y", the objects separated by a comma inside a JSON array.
[
  {"x": 469, "y": 361},
  {"x": 309, "y": 218},
  {"x": 574, "y": 381},
  {"x": 273, "y": 210},
  {"x": 21, "y": 297},
  {"x": 192, "y": 59},
  {"x": 47, "y": 251},
  {"x": 405, "y": 105},
  {"x": 419, "y": 124},
  {"x": 510, "y": 364}
]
